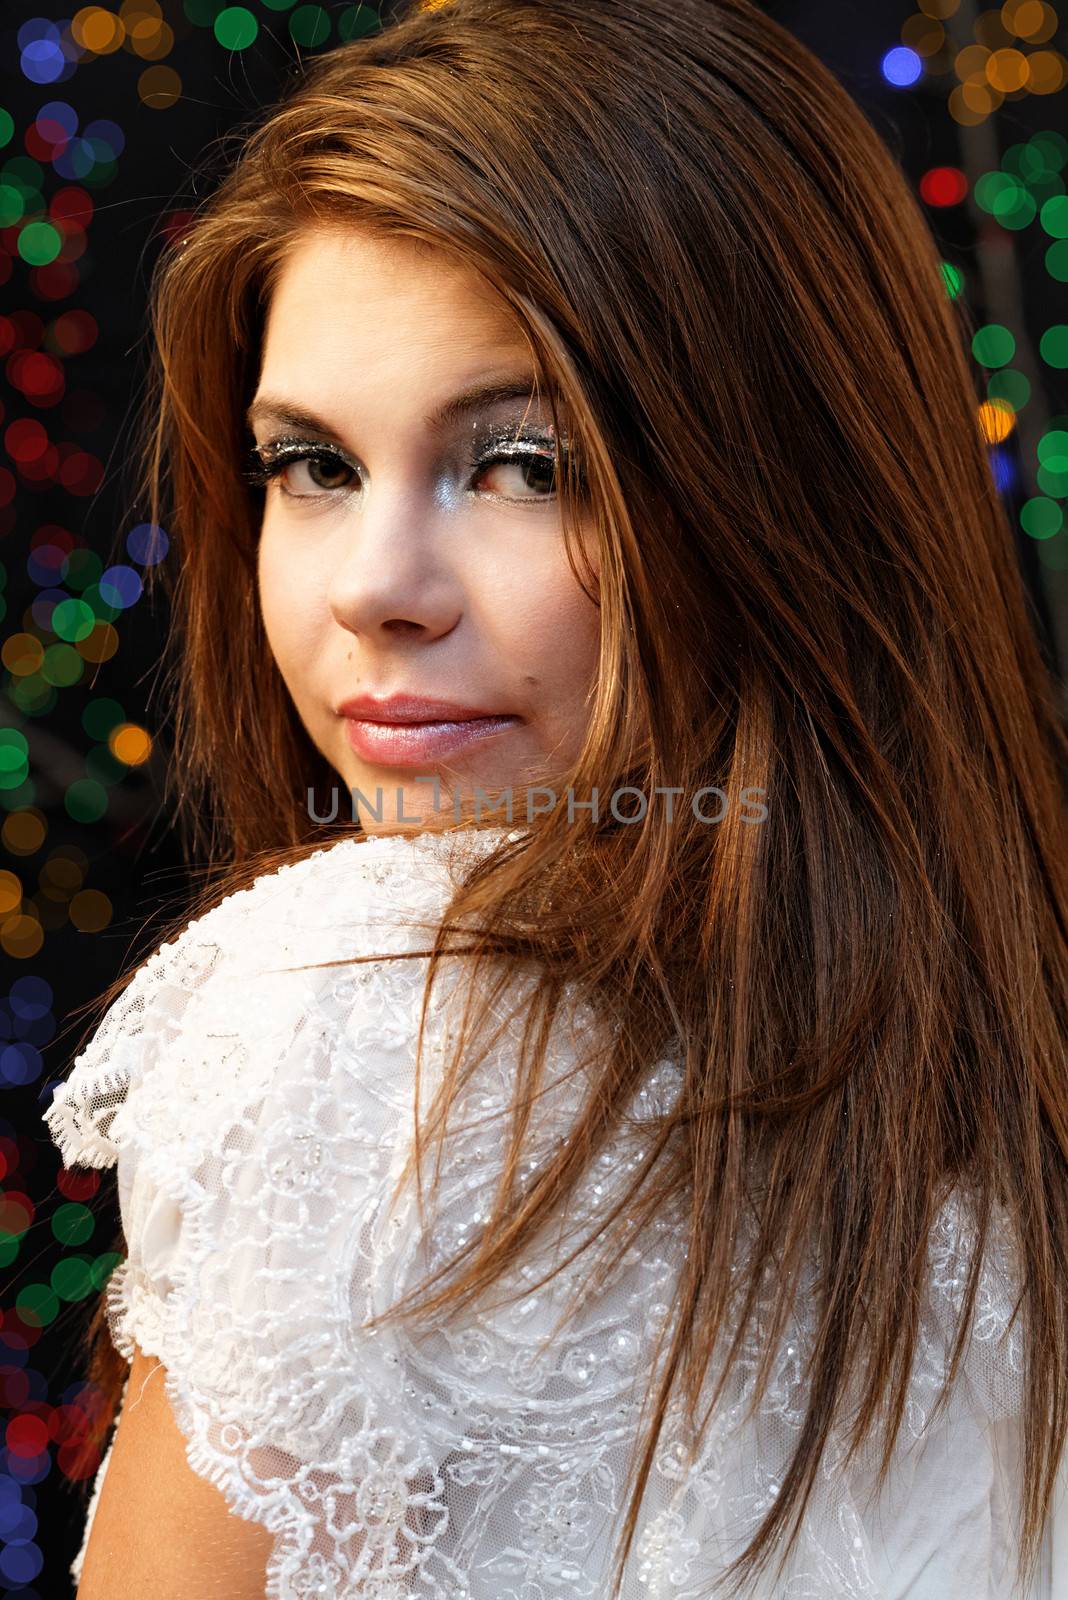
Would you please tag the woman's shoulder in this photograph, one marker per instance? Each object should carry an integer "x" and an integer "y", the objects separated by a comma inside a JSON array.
[
  {"x": 361, "y": 880},
  {"x": 366, "y": 883},
  {"x": 238, "y": 983}
]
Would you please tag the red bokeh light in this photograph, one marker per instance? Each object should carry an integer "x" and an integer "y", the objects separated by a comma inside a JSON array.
[
  {"x": 73, "y": 332},
  {"x": 16, "y": 1211},
  {"x": 943, "y": 186},
  {"x": 77, "y": 1183},
  {"x": 45, "y": 139},
  {"x": 38, "y": 376},
  {"x": 176, "y": 225},
  {"x": 27, "y": 1436},
  {"x": 25, "y": 441},
  {"x": 71, "y": 205},
  {"x": 79, "y": 472},
  {"x": 54, "y": 281}
]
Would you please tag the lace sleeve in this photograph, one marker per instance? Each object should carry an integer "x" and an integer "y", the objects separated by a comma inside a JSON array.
[
  {"x": 89, "y": 1118},
  {"x": 256, "y": 1092},
  {"x": 146, "y": 1015}
]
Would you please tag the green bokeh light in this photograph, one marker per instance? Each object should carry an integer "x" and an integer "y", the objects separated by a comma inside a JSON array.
[
  {"x": 73, "y": 620},
  {"x": 1032, "y": 163},
  {"x": 1057, "y": 261},
  {"x": 32, "y": 695},
  {"x": 73, "y": 1223},
  {"x": 236, "y": 28},
  {"x": 104, "y": 610},
  {"x": 1053, "y": 148},
  {"x": 14, "y": 747},
  {"x": 39, "y": 243},
  {"x": 1011, "y": 386},
  {"x": 1052, "y": 483},
  {"x": 310, "y": 26},
  {"x": 1052, "y": 449},
  {"x": 1041, "y": 518},
  {"x": 72, "y": 1278},
  {"x": 357, "y": 21},
  {"x": 1053, "y": 346},
  {"x": 62, "y": 666},
  {"x": 100, "y": 175},
  {"x": 1052, "y": 452},
  {"x": 103, "y": 1267},
  {"x": 14, "y": 758},
  {"x": 100, "y": 716},
  {"x": 953, "y": 279},
  {"x": 993, "y": 345},
  {"x": 1015, "y": 209},
  {"x": 37, "y": 1304},
  {"x": 81, "y": 568},
  {"x": 1054, "y": 217},
  {"x": 12, "y": 204},
  {"x": 991, "y": 186},
  {"x": 85, "y": 800},
  {"x": 25, "y": 173}
]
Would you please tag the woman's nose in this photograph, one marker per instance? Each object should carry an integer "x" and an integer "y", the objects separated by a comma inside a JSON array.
[{"x": 392, "y": 575}]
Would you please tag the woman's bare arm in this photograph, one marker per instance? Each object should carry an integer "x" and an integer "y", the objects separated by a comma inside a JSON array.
[{"x": 159, "y": 1529}]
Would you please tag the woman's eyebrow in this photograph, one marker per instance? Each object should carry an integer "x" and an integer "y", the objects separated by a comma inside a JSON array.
[{"x": 289, "y": 414}]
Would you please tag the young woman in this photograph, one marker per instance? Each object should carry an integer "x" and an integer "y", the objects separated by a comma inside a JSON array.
[{"x": 560, "y": 405}]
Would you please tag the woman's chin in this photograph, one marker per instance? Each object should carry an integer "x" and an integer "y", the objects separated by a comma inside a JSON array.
[{"x": 397, "y": 796}]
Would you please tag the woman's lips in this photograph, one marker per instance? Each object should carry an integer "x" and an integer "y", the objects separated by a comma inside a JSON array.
[{"x": 413, "y": 744}]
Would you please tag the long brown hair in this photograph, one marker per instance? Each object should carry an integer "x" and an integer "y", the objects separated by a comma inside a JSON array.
[{"x": 808, "y": 587}]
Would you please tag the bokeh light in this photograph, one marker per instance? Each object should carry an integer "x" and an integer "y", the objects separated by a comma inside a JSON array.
[{"x": 902, "y": 66}]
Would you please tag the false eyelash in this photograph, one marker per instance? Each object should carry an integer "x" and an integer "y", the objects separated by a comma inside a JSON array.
[{"x": 267, "y": 461}]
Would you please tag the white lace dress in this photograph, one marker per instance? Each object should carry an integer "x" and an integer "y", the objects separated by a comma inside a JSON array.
[{"x": 258, "y": 1118}]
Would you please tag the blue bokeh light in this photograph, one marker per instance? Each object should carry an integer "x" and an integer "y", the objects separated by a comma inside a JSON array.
[
  {"x": 147, "y": 543},
  {"x": 31, "y": 998},
  {"x": 44, "y": 603},
  {"x": 62, "y": 114},
  {"x": 108, "y": 133},
  {"x": 20, "y": 1562},
  {"x": 1003, "y": 468},
  {"x": 20, "y": 1064},
  {"x": 78, "y": 159},
  {"x": 902, "y": 67},
  {"x": 120, "y": 586}
]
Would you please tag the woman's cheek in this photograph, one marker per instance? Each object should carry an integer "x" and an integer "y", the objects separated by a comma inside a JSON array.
[{"x": 283, "y": 595}]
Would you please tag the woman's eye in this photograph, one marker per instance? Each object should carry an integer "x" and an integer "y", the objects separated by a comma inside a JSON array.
[
  {"x": 324, "y": 469},
  {"x": 530, "y": 471}
]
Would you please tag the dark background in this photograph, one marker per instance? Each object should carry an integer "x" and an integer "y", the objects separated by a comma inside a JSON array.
[{"x": 81, "y": 894}]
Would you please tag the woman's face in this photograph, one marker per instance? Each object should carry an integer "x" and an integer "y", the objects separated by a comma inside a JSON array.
[{"x": 419, "y": 551}]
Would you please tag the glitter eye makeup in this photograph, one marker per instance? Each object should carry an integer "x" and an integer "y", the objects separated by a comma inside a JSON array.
[
  {"x": 531, "y": 454},
  {"x": 268, "y": 461}
]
